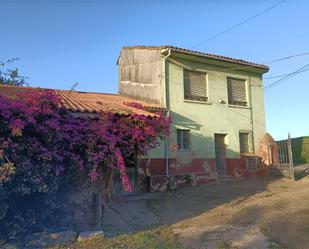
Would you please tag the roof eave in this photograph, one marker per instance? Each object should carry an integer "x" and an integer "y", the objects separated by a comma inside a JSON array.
[{"x": 246, "y": 66}]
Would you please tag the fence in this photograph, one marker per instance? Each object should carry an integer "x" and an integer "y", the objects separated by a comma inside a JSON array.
[{"x": 281, "y": 159}]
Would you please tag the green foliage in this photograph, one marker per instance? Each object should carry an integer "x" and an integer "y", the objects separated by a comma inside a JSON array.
[
  {"x": 223, "y": 245},
  {"x": 161, "y": 238},
  {"x": 300, "y": 149},
  {"x": 265, "y": 230},
  {"x": 188, "y": 179},
  {"x": 11, "y": 76}
]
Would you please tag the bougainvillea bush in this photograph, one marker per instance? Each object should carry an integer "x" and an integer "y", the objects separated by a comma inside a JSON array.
[{"x": 44, "y": 148}]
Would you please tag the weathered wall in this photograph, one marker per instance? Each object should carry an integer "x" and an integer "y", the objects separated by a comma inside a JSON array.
[
  {"x": 139, "y": 74},
  {"x": 206, "y": 119}
]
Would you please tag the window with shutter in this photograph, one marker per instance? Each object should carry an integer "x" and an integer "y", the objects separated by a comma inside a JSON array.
[
  {"x": 183, "y": 139},
  {"x": 244, "y": 142},
  {"x": 237, "y": 91},
  {"x": 195, "y": 85}
]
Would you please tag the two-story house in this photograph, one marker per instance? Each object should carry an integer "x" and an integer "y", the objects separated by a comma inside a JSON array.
[{"x": 216, "y": 104}]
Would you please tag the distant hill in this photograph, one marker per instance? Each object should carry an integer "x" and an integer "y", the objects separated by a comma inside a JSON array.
[{"x": 300, "y": 149}]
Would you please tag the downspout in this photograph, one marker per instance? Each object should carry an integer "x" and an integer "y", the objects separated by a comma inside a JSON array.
[
  {"x": 165, "y": 101},
  {"x": 252, "y": 119},
  {"x": 166, "y": 149}
]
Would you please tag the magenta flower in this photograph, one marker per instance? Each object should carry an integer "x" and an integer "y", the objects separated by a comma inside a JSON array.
[
  {"x": 17, "y": 126},
  {"x": 93, "y": 175}
]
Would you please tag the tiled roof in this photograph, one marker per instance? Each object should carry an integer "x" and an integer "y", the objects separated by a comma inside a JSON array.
[
  {"x": 206, "y": 55},
  {"x": 90, "y": 102}
]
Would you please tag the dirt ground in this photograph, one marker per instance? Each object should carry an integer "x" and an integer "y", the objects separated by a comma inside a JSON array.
[{"x": 248, "y": 214}]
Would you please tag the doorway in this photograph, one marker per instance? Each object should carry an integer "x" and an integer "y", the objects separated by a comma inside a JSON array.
[{"x": 220, "y": 154}]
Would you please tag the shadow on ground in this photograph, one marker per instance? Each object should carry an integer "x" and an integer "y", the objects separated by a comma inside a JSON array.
[
  {"x": 134, "y": 213},
  {"x": 252, "y": 213}
]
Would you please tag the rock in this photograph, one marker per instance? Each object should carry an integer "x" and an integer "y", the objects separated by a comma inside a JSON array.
[
  {"x": 9, "y": 246},
  {"x": 83, "y": 208},
  {"x": 89, "y": 235},
  {"x": 40, "y": 240},
  {"x": 3, "y": 209}
]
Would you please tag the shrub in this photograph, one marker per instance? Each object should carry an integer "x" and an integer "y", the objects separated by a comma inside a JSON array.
[{"x": 44, "y": 149}]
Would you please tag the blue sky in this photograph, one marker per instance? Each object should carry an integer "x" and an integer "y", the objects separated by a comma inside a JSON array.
[{"x": 60, "y": 42}]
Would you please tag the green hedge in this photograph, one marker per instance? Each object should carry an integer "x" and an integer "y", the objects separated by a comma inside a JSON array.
[{"x": 300, "y": 148}]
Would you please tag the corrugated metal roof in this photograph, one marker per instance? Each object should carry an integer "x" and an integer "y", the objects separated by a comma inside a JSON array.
[
  {"x": 206, "y": 55},
  {"x": 89, "y": 102}
]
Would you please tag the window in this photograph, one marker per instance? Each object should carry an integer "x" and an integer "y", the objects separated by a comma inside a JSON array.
[
  {"x": 183, "y": 139},
  {"x": 195, "y": 85},
  {"x": 244, "y": 142},
  {"x": 237, "y": 94}
]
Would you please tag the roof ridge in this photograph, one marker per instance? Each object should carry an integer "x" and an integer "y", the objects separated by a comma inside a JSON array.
[
  {"x": 200, "y": 53},
  {"x": 55, "y": 89}
]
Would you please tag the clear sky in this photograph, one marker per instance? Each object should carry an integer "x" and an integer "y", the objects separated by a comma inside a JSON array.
[{"x": 60, "y": 42}]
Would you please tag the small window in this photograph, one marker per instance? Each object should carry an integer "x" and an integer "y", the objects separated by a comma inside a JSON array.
[
  {"x": 183, "y": 139},
  {"x": 244, "y": 142},
  {"x": 195, "y": 85},
  {"x": 237, "y": 93}
]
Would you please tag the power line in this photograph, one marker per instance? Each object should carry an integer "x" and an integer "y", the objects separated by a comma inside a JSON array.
[
  {"x": 239, "y": 24},
  {"x": 286, "y": 58},
  {"x": 280, "y": 81},
  {"x": 269, "y": 62},
  {"x": 279, "y": 76}
]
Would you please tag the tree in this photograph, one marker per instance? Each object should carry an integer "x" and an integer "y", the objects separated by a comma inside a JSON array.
[{"x": 11, "y": 76}]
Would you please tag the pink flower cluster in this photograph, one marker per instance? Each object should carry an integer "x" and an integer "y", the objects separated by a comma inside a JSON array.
[{"x": 43, "y": 139}]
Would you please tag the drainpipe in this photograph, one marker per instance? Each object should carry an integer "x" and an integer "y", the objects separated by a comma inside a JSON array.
[
  {"x": 164, "y": 78},
  {"x": 166, "y": 149},
  {"x": 165, "y": 101},
  {"x": 252, "y": 120}
]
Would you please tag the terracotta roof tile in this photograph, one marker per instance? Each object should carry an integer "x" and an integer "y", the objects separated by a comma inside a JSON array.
[{"x": 90, "y": 102}]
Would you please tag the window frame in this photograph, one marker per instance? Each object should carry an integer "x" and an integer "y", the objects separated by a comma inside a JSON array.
[
  {"x": 241, "y": 132},
  {"x": 229, "y": 93},
  {"x": 195, "y": 98},
  {"x": 181, "y": 144}
]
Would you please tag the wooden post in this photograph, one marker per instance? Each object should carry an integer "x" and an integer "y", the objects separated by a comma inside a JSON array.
[{"x": 290, "y": 157}]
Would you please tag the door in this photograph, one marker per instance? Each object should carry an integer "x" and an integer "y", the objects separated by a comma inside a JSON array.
[{"x": 220, "y": 154}]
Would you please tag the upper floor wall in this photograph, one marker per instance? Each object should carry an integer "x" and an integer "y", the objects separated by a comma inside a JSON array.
[
  {"x": 139, "y": 74},
  {"x": 141, "y": 70}
]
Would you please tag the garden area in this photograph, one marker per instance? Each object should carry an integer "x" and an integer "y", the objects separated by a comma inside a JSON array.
[{"x": 49, "y": 156}]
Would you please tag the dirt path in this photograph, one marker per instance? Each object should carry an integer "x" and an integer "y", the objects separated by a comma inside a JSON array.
[
  {"x": 248, "y": 214},
  {"x": 279, "y": 212}
]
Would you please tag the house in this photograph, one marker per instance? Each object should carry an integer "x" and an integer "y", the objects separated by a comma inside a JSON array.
[
  {"x": 217, "y": 109},
  {"x": 216, "y": 104}
]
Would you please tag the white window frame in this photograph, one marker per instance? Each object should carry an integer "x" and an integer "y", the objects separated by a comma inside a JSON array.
[{"x": 181, "y": 142}]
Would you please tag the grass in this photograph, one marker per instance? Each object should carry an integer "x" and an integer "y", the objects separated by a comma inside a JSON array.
[
  {"x": 161, "y": 238},
  {"x": 275, "y": 245},
  {"x": 265, "y": 230},
  {"x": 223, "y": 245}
]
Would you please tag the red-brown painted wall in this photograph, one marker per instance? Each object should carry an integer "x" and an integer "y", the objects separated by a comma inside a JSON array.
[{"x": 203, "y": 165}]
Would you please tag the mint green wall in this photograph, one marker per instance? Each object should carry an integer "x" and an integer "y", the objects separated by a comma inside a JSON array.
[{"x": 206, "y": 119}]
